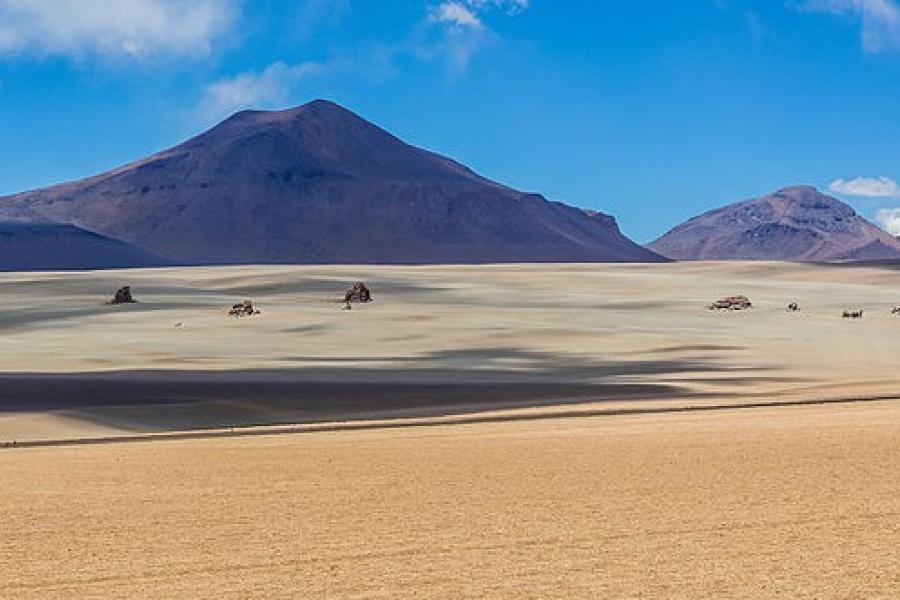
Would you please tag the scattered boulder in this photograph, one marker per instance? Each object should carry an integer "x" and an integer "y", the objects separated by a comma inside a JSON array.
[
  {"x": 358, "y": 293},
  {"x": 852, "y": 314},
  {"x": 895, "y": 310},
  {"x": 244, "y": 309},
  {"x": 731, "y": 303},
  {"x": 123, "y": 296},
  {"x": 793, "y": 307}
]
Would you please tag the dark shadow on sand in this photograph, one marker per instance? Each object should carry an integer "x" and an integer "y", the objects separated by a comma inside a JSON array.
[{"x": 446, "y": 383}]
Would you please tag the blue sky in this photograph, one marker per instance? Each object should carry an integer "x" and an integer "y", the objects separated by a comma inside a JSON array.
[{"x": 652, "y": 110}]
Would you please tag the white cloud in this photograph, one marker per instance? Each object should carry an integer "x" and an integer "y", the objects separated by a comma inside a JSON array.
[
  {"x": 133, "y": 28},
  {"x": 866, "y": 187},
  {"x": 465, "y": 13},
  {"x": 456, "y": 15},
  {"x": 464, "y": 30},
  {"x": 510, "y": 6},
  {"x": 269, "y": 88},
  {"x": 889, "y": 219},
  {"x": 880, "y": 19}
]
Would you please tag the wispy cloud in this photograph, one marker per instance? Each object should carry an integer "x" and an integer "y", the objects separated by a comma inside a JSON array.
[
  {"x": 131, "y": 28},
  {"x": 879, "y": 19},
  {"x": 465, "y": 13},
  {"x": 456, "y": 14},
  {"x": 452, "y": 31},
  {"x": 511, "y": 7},
  {"x": 270, "y": 88},
  {"x": 889, "y": 219},
  {"x": 464, "y": 30},
  {"x": 866, "y": 187}
]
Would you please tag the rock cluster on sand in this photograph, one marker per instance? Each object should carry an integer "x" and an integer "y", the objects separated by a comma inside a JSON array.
[
  {"x": 244, "y": 309},
  {"x": 123, "y": 296},
  {"x": 358, "y": 293},
  {"x": 731, "y": 303}
]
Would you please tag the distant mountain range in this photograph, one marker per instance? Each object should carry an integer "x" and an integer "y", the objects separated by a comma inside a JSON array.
[
  {"x": 317, "y": 184},
  {"x": 797, "y": 223},
  {"x": 50, "y": 246},
  {"x": 313, "y": 184}
]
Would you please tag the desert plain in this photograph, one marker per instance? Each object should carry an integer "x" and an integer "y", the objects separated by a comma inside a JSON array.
[{"x": 476, "y": 431}]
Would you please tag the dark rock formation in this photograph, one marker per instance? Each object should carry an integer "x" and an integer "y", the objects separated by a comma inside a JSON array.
[
  {"x": 358, "y": 293},
  {"x": 123, "y": 296},
  {"x": 731, "y": 303},
  {"x": 244, "y": 309}
]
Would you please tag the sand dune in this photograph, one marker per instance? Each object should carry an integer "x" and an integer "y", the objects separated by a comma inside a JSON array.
[{"x": 437, "y": 341}]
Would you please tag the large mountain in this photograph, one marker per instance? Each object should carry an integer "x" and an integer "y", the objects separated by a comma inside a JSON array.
[
  {"x": 317, "y": 184},
  {"x": 797, "y": 223},
  {"x": 49, "y": 246}
]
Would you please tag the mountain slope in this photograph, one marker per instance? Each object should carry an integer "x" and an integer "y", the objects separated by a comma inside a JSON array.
[
  {"x": 317, "y": 184},
  {"x": 797, "y": 223},
  {"x": 48, "y": 246}
]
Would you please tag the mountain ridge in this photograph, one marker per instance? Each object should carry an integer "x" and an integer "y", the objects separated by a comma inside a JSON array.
[
  {"x": 318, "y": 184},
  {"x": 28, "y": 246},
  {"x": 795, "y": 223}
]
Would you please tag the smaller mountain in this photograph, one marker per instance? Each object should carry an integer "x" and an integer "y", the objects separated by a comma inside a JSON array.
[
  {"x": 797, "y": 223},
  {"x": 52, "y": 246}
]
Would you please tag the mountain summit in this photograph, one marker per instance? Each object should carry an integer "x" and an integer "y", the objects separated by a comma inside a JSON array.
[
  {"x": 797, "y": 223},
  {"x": 318, "y": 184}
]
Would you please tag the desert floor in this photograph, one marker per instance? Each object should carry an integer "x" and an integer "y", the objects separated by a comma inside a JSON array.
[
  {"x": 437, "y": 341},
  {"x": 512, "y": 431},
  {"x": 788, "y": 502}
]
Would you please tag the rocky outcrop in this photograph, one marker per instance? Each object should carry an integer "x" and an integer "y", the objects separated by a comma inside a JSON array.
[
  {"x": 731, "y": 303},
  {"x": 123, "y": 296},
  {"x": 244, "y": 309},
  {"x": 358, "y": 293}
]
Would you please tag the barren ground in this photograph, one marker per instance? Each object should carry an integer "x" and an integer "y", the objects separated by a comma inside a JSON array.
[
  {"x": 543, "y": 491},
  {"x": 437, "y": 341},
  {"x": 796, "y": 502}
]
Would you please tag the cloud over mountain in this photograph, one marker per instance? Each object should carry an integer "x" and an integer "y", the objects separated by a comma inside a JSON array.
[
  {"x": 889, "y": 219},
  {"x": 264, "y": 89},
  {"x": 866, "y": 187}
]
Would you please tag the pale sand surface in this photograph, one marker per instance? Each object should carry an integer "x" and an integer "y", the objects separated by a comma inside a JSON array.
[
  {"x": 796, "y": 502},
  {"x": 437, "y": 341}
]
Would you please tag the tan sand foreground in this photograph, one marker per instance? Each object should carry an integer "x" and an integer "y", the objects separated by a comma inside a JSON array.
[
  {"x": 437, "y": 341},
  {"x": 789, "y": 502}
]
